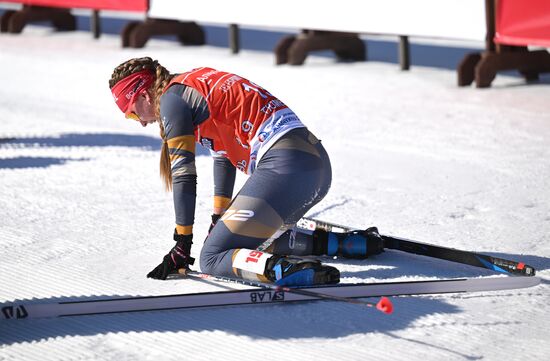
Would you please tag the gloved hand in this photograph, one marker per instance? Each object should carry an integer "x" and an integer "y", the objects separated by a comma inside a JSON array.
[
  {"x": 215, "y": 218},
  {"x": 178, "y": 257}
]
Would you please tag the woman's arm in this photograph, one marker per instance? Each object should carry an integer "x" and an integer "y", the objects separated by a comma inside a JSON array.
[
  {"x": 176, "y": 115},
  {"x": 224, "y": 181}
]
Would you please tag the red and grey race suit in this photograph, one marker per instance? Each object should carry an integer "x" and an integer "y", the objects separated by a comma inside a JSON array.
[
  {"x": 246, "y": 128},
  {"x": 245, "y": 119}
]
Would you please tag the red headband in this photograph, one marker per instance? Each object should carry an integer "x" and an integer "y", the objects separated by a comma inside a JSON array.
[{"x": 128, "y": 88}]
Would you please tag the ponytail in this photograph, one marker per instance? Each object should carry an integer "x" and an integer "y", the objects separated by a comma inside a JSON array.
[{"x": 162, "y": 79}]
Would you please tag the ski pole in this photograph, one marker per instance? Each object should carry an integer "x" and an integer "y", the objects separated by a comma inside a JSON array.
[{"x": 383, "y": 305}]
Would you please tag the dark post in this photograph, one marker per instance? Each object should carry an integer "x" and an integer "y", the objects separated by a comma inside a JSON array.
[
  {"x": 404, "y": 55},
  {"x": 490, "y": 18},
  {"x": 234, "y": 38},
  {"x": 95, "y": 23}
]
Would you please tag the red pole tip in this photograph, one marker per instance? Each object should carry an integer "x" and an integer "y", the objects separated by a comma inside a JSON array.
[{"x": 385, "y": 305}]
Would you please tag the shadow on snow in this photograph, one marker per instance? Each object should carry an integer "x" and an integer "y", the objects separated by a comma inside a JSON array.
[
  {"x": 32, "y": 162},
  {"x": 395, "y": 264},
  {"x": 89, "y": 140}
]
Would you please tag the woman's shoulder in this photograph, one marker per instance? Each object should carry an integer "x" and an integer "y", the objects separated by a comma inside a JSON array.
[
  {"x": 175, "y": 88},
  {"x": 184, "y": 106}
]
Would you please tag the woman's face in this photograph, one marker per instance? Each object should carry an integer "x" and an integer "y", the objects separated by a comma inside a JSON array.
[{"x": 142, "y": 110}]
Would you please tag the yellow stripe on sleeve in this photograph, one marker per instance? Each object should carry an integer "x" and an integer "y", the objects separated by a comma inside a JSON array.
[
  {"x": 184, "y": 230},
  {"x": 184, "y": 142},
  {"x": 221, "y": 202},
  {"x": 182, "y": 155}
]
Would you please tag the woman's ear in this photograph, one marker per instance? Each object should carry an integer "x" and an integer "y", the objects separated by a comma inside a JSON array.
[{"x": 148, "y": 97}]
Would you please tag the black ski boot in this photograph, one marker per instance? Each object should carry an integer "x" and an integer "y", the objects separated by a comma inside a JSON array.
[{"x": 354, "y": 244}]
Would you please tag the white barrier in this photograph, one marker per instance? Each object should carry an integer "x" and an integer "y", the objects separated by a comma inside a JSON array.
[{"x": 450, "y": 19}]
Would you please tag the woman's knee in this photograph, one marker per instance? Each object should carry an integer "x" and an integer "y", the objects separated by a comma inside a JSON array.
[{"x": 208, "y": 260}]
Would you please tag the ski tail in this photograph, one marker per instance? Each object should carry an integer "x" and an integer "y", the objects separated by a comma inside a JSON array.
[
  {"x": 455, "y": 255},
  {"x": 475, "y": 259}
]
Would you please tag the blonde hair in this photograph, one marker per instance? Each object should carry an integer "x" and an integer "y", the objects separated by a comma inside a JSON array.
[{"x": 162, "y": 79}]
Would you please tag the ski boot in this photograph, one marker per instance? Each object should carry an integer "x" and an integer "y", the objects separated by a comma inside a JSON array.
[
  {"x": 354, "y": 244},
  {"x": 281, "y": 270},
  {"x": 294, "y": 271}
]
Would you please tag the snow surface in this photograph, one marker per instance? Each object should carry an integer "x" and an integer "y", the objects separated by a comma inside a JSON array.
[{"x": 83, "y": 211}]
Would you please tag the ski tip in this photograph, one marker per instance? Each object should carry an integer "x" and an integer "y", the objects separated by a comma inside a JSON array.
[{"x": 385, "y": 305}]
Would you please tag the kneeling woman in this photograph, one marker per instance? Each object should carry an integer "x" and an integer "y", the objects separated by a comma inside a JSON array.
[{"x": 246, "y": 128}]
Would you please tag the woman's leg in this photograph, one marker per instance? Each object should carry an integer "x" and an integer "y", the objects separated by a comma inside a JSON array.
[{"x": 292, "y": 177}]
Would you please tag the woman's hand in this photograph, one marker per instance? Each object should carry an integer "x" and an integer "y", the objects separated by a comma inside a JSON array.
[{"x": 178, "y": 258}]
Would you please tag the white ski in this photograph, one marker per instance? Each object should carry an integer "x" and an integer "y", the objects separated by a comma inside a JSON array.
[{"x": 24, "y": 309}]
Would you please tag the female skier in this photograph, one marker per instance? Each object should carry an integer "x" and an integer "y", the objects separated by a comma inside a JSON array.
[{"x": 249, "y": 129}]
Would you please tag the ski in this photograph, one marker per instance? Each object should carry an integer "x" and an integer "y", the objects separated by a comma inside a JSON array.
[
  {"x": 450, "y": 254},
  {"x": 19, "y": 310}
]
